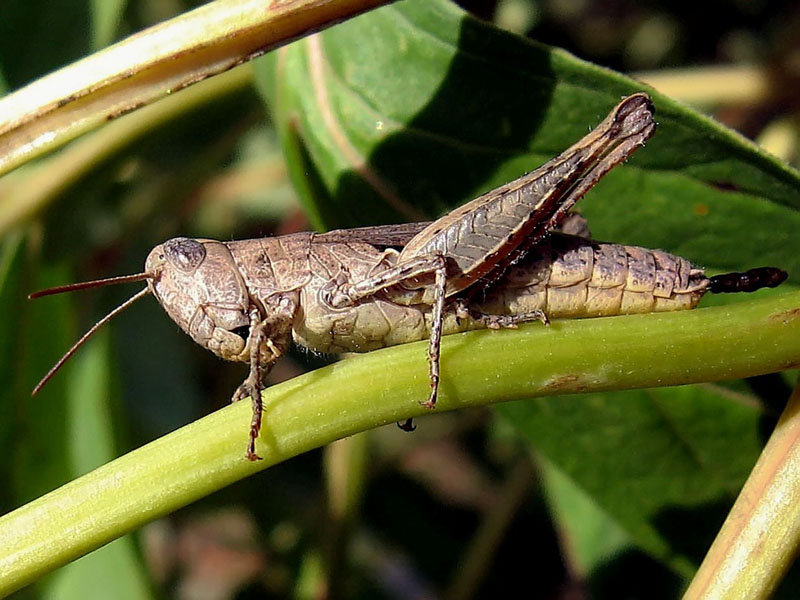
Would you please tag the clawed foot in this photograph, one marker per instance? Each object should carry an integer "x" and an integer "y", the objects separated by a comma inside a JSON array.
[
  {"x": 430, "y": 403},
  {"x": 255, "y": 428},
  {"x": 248, "y": 388},
  {"x": 251, "y": 450}
]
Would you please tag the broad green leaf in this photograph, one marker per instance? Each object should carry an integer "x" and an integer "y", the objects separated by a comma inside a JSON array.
[
  {"x": 592, "y": 538},
  {"x": 598, "y": 550}
]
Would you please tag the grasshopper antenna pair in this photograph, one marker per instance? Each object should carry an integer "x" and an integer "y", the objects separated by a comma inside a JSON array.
[{"x": 72, "y": 287}]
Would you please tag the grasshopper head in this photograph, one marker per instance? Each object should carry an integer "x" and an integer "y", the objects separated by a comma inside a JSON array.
[{"x": 200, "y": 287}]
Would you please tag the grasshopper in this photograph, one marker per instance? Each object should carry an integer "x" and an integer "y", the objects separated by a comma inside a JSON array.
[{"x": 357, "y": 290}]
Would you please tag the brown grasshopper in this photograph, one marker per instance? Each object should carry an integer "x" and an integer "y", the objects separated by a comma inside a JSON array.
[{"x": 361, "y": 289}]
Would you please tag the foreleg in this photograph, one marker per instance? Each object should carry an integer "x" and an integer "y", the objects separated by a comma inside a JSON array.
[{"x": 269, "y": 339}]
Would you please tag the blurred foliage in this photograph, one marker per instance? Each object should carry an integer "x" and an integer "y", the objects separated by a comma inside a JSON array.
[{"x": 591, "y": 496}]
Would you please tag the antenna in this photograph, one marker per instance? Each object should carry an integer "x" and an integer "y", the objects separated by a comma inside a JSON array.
[
  {"x": 81, "y": 286},
  {"x": 72, "y": 287}
]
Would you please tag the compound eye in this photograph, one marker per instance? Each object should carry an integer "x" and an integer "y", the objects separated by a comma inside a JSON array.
[
  {"x": 184, "y": 254},
  {"x": 243, "y": 332}
]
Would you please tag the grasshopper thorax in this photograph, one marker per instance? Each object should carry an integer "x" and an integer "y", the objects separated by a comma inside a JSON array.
[{"x": 200, "y": 287}]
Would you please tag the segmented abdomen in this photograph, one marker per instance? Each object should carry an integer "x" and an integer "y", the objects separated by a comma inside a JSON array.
[{"x": 571, "y": 277}]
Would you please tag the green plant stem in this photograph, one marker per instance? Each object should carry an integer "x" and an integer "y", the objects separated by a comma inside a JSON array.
[
  {"x": 153, "y": 64},
  {"x": 478, "y": 368}
]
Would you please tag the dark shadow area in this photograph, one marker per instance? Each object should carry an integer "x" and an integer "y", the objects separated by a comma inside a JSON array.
[
  {"x": 480, "y": 116},
  {"x": 634, "y": 574},
  {"x": 64, "y": 23},
  {"x": 689, "y": 531},
  {"x": 698, "y": 30},
  {"x": 787, "y": 589},
  {"x": 435, "y": 536},
  {"x": 774, "y": 392}
]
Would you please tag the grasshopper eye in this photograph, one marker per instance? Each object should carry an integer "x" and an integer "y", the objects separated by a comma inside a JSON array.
[
  {"x": 185, "y": 254},
  {"x": 243, "y": 332}
]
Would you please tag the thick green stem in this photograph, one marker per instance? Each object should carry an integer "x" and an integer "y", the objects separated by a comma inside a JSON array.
[
  {"x": 153, "y": 64},
  {"x": 478, "y": 368}
]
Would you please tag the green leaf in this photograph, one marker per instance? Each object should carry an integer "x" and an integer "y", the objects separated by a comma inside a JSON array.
[
  {"x": 592, "y": 538},
  {"x": 664, "y": 463}
]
